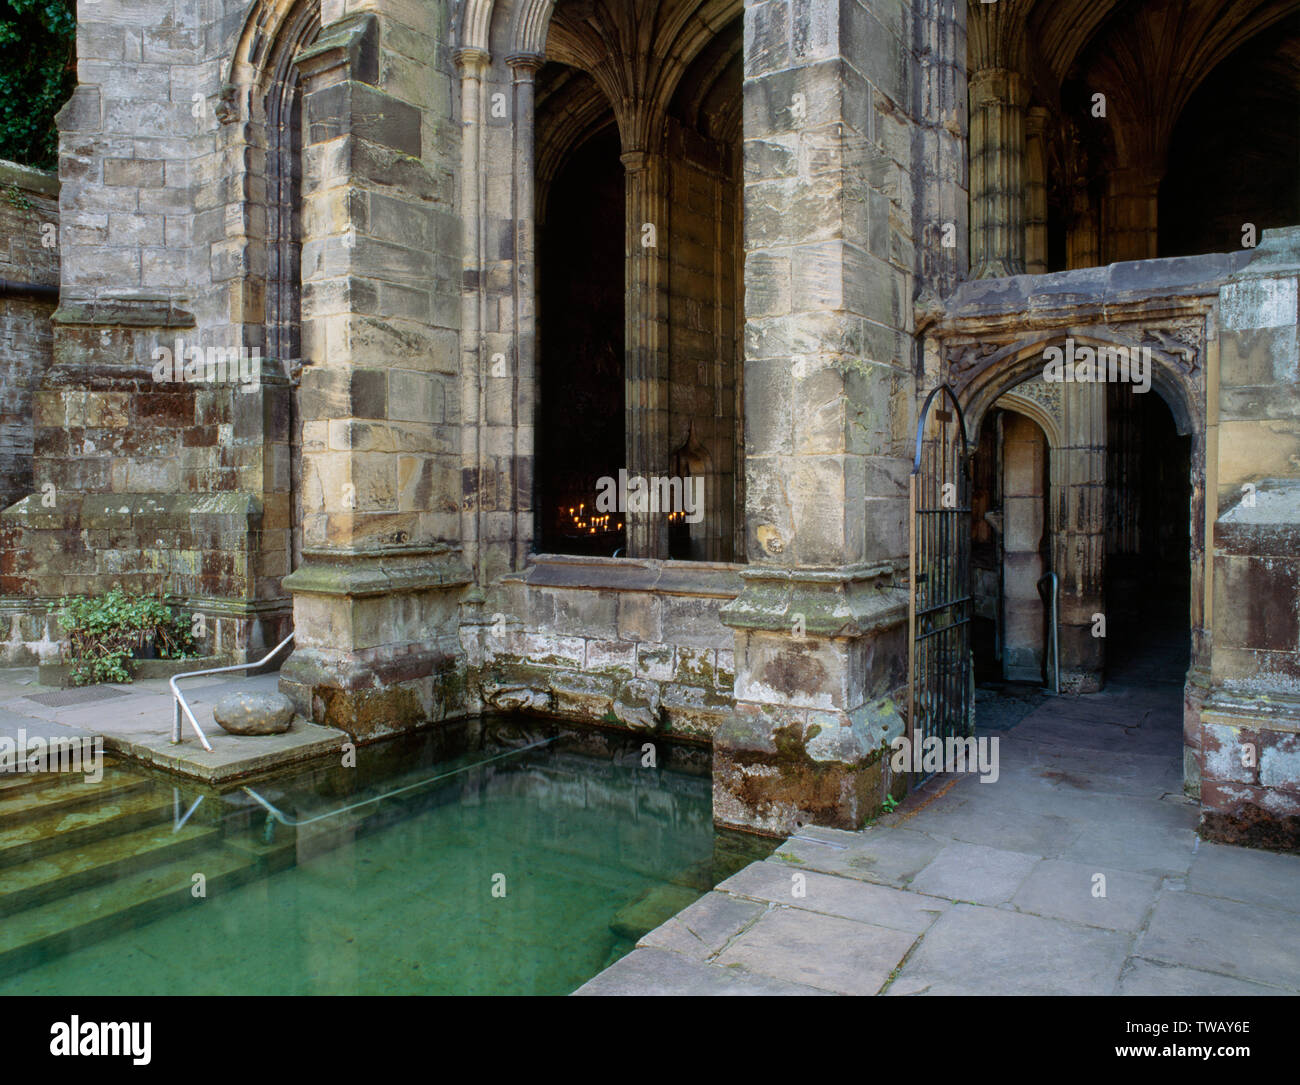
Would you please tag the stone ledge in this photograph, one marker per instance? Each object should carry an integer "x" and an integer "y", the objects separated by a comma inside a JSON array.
[
  {"x": 124, "y": 311},
  {"x": 380, "y": 572},
  {"x": 162, "y": 510},
  {"x": 716, "y": 579}
]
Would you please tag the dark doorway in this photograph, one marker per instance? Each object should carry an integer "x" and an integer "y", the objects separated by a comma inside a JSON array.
[{"x": 1148, "y": 543}]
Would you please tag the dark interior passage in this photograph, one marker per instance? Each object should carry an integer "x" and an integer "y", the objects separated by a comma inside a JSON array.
[
  {"x": 1148, "y": 546},
  {"x": 580, "y": 432}
]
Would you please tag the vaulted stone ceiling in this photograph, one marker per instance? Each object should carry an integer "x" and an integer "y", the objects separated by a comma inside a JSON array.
[
  {"x": 1147, "y": 56},
  {"x": 637, "y": 52}
]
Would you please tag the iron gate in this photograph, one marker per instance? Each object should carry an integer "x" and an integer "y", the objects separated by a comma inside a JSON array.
[{"x": 939, "y": 578}]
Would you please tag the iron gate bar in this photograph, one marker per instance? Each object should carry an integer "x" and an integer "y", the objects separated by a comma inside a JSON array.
[{"x": 940, "y": 601}]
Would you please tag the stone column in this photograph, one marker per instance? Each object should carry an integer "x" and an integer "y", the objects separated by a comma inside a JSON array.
[
  {"x": 997, "y": 173},
  {"x": 472, "y": 64},
  {"x": 1036, "y": 190},
  {"x": 830, "y": 260},
  {"x": 645, "y": 342},
  {"x": 375, "y": 598},
  {"x": 1081, "y": 565},
  {"x": 523, "y": 392}
]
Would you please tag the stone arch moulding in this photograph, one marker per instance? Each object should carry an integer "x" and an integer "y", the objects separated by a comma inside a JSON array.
[
  {"x": 258, "y": 54},
  {"x": 982, "y": 372},
  {"x": 527, "y": 33},
  {"x": 1035, "y": 412}
]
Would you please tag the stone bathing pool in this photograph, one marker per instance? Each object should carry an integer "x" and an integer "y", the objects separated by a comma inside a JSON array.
[{"x": 495, "y": 856}]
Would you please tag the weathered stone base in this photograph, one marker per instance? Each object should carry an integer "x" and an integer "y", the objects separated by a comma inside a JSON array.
[
  {"x": 1250, "y": 770},
  {"x": 776, "y": 777},
  {"x": 376, "y": 649},
  {"x": 1253, "y": 827}
]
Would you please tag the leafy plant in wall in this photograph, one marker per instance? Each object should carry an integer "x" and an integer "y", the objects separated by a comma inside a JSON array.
[{"x": 106, "y": 631}]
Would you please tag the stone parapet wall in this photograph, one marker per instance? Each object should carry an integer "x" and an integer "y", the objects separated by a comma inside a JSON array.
[{"x": 628, "y": 644}]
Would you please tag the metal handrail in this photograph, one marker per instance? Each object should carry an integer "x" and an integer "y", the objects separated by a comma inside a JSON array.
[
  {"x": 293, "y": 823},
  {"x": 181, "y": 703},
  {"x": 1055, "y": 638}
]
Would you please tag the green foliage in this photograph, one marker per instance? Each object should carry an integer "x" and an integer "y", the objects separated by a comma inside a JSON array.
[
  {"x": 890, "y": 804},
  {"x": 37, "y": 75},
  {"x": 103, "y": 632}
]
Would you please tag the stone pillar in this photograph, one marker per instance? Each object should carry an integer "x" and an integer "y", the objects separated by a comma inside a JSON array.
[
  {"x": 997, "y": 173},
  {"x": 645, "y": 341},
  {"x": 1081, "y": 566},
  {"x": 1036, "y": 190},
  {"x": 375, "y": 598},
  {"x": 472, "y": 64},
  {"x": 1082, "y": 237},
  {"x": 1129, "y": 210},
  {"x": 523, "y": 393},
  {"x": 1247, "y": 750},
  {"x": 820, "y": 627}
]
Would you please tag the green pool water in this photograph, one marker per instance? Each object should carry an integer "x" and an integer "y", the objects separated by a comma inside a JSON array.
[{"x": 495, "y": 858}]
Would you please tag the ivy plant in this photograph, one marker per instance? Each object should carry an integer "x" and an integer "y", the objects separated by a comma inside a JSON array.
[{"x": 37, "y": 75}]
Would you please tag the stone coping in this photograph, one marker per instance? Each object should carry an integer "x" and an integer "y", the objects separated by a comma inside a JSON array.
[
  {"x": 29, "y": 178},
  {"x": 719, "y": 580}
]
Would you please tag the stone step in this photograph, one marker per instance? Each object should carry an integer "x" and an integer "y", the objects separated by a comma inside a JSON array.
[
  {"x": 15, "y": 783},
  {"x": 40, "y": 934},
  {"x": 57, "y": 830},
  {"x": 34, "y": 883},
  {"x": 71, "y": 792}
]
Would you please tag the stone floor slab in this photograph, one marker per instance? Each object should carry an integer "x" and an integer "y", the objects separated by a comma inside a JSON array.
[
  {"x": 973, "y": 950},
  {"x": 975, "y": 873},
  {"x": 1226, "y": 937},
  {"x": 1247, "y": 875},
  {"x": 1060, "y": 890},
  {"x": 1142, "y": 977},
  {"x": 821, "y": 951},
  {"x": 777, "y": 881},
  {"x": 706, "y": 926}
]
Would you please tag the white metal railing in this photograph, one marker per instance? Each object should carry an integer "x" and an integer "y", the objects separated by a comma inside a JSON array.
[{"x": 181, "y": 704}]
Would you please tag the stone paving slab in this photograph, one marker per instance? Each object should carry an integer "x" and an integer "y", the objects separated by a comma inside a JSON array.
[
  {"x": 885, "y": 856},
  {"x": 989, "y": 951},
  {"x": 1142, "y": 977},
  {"x": 704, "y": 928},
  {"x": 790, "y": 944},
  {"x": 1252, "y": 877},
  {"x": 1227, "y": 937},
  {"x": 975, "y": 873},
  {"x": 1070, "y": 891},
  {"x": 778, "y": 882}
]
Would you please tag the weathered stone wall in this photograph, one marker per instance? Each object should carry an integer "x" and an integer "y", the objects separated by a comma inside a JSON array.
[
  {"x": 29, "y": 223},
  {"x": 156, "y": 260},
  {"x": 29, "y": 254},
  {"x": 629, "y": 644}
]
